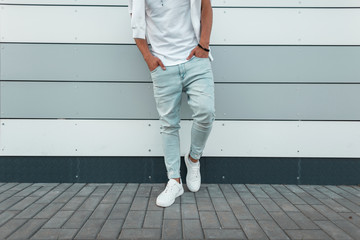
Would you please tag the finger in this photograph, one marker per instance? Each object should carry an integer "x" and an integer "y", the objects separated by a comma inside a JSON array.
[
  {"x": 161, "y": 64},
  {"x": 191, "y": 54}
]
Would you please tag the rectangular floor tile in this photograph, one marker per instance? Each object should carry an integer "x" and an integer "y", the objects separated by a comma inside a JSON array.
[{"x": 172, "y": 229}]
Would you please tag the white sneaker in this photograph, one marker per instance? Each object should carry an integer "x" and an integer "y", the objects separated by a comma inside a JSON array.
[
  {"x": 167, "y": 197},
  {"x": 193, "y": 177}
]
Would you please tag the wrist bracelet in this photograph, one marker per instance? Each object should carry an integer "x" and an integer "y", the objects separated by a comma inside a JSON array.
[{"x": 205, "y": 49}]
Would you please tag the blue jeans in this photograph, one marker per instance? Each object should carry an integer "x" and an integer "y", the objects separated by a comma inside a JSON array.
[{"x": 195, "y": 78}]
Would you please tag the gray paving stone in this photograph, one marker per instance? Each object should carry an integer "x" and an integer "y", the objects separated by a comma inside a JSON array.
[
  {"x": 272, "y": 230},
  {"x": 192, "y": 229},
  {"x": 139, "y": 203},
  {"x": 348, "y": 228},
  {"x": 42, "y": 191},
  {"x": 328, "y": 192},
  {"x": 172, "y": 229},
  {"x": 126, "y": 197},
  {"x": 204, "y": 204},
  {"x": 113, "y": 194},
  {"x": 256, "y": 191},
  {"x": 269, "y": 204},
  {"x": 270, "y": 191},
  {"x": 6, "y": 215},
  {"x": 302, "y": 221},
  {"x": 10, "y": 227},
  {"x": 332, "y": 230},
  {"x": 214, "y": 190},
  {"x": 27, "y": 229},
  {"x": 285, "y": 205},
  {"x": 90, "y": 229},
  {"x": 156, "y": 190},
  {"x": 172, "y": 212},
  {"x": 283, "y": 220},
  {"x": 31, "y": 210},
  {"x": 308, "y": 198},
  {"x": 334, "y": 205},
  {"x": 252, "y": 229},
  {"x": 54, "y": 233},
  {"x": 307, "y": 234},
  {"x": 6, "y": 187},
  {"x": 228, "y": 220},
  {"x": 189, "y": 211},
  {"x": 6, "y": 204},
  {"x": 26, "y": 191},
  {"x": 227, "y": 188},
  {"x": 352, "y": 218},
  {"x": 49, "y": 210},
  {"x": 352, "y": 189},
  {"x": 119, "y": 211},
  {"x": 20, "y": 186},
  {"x": 90, "y": 203},
  {"x": 140, "y": 233},
  {"x": 241, "y": 211},
  {"x": 344, "y": 194},
  {"x": 259, "y": 212},
  {"x": 209, "y": 219},
  {"x": 327, "y": 212},
  {"x": 314, "y": 192},
  {"x": 144, "y": 190},
  {"x": 86, "y": 191},
  {"x": 220, "y": 204},
  {"x": 66, "y": 196},
  {"x": 248, "y": 198},
  {"x": 102, "y": 211},
  {"x": 111, "y": 229},
  {"x": 54, "y": 193},
  {"x": 224, "y": 234},
  {"x": 202, "y": 193},
  {"x": 152, "y": 205},
  {"x": 350, "y": 205},
  {"x": 77, "y": 219},
  {"x": 187, "y": 197},
  {"x": 101, "y": 190},
  {"x": 24, "y": 203},
  {"x": 310, "y": 212},
  {"x": 131, "y": 187},
  {"x": 240, "y": 188},
  {"x": 58, "y": 219},
  {"x": 74, "y": 203},
  {"x": 134, "y": 219},
  {"x": 153, "y": 219}
]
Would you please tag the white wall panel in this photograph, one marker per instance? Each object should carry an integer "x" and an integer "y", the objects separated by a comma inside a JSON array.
[
  {"x": 284, "y": 26},
  {"x": 142, "y": 138},
  {"x": 64, "y": 24},
  {"x": 277, "y": 26},
  {"x": 215, "y": 3}
]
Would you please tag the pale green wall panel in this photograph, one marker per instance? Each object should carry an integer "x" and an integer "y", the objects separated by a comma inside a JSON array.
[
  {"x": 92, "y": 62},
  {"x": 135, "y": 101}
]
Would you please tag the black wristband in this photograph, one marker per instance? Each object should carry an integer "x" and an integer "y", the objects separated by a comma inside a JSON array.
[{"x": 205, "y": 49}]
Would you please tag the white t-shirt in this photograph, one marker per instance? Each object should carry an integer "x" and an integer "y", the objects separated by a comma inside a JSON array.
[{"x": 169, "y": 30}]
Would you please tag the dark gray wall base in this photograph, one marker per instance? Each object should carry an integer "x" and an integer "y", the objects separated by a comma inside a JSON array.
[{"x": 152, "y": 170}]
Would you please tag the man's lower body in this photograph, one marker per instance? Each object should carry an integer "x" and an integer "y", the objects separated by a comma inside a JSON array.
[{"x": 195, "y": 78}]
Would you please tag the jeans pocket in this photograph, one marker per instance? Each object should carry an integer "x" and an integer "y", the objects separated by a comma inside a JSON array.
[{"x": 153, "y": 71}]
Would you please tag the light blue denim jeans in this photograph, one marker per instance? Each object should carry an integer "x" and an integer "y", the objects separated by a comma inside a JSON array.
[{"x": 195, "y": 78}]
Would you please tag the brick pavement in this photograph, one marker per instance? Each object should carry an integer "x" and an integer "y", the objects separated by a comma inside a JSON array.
[{"x": 217, "y": 211}]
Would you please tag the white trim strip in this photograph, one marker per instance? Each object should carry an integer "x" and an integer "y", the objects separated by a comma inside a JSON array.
[
  {"x": 141, "y": 138},
  {"x": 215, "y": 3}
]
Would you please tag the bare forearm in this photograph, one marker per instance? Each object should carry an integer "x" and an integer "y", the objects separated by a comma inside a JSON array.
[
  {"x": 150, "y": 59},
  {"x": 206, "y": 23},
  {"x": 143, "y": 47}
]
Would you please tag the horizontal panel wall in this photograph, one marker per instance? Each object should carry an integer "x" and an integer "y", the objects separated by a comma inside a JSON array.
[
  {"x": 228, "y": 138},
  {"x": 97, "y": 62},
  {"x": 90, "y": 24},
  {"x": 136, "y": 101},
  {"x": 215, "y": 3}
]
